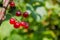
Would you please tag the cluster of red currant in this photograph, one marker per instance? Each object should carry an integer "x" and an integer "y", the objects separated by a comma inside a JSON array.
[
  {"x": 25, "y": 14},
  {"x": 18, "y": 13},
  {"x": 18, "y": 24}
]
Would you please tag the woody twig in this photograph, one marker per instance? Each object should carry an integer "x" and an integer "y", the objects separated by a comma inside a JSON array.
[{"x": 3, "y": 9}]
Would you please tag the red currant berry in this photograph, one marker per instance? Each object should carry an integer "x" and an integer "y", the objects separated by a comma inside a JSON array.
[
  {"x": 17, "y": 25},
  {"x": 12, "y": 4},
  {"x": 26, "y": 25},
  {"x": 25, "y": 14},
  {"x": 22, "y": 23},
  {"x": 18, "y": 13},
  {"x": 12, "y": 21}
]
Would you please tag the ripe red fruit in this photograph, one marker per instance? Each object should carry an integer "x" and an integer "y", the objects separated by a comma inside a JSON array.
[
  {"x": 25, "y": 14},
  {"x": 12, "y": 21},
  {"x": 24, "y": 24},
  {"x": 12, "y": 4},
  {"x": 17, "y": 25},
  {"x": 18, "y": 13}
]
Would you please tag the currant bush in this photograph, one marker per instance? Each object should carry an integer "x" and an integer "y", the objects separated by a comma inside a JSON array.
[{"x": 31, "y": 20}]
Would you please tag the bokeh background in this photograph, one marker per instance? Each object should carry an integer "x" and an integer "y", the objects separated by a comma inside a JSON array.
[{"x": 44, "y": 20}]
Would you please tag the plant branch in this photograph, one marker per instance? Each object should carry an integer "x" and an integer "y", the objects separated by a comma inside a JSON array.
[{"x": 2, "y": 10}]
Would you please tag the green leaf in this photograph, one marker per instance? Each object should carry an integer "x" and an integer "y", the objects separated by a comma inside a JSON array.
[
  {"x": 5, "y": 29},
  {"x": 15, "y": 37}
]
